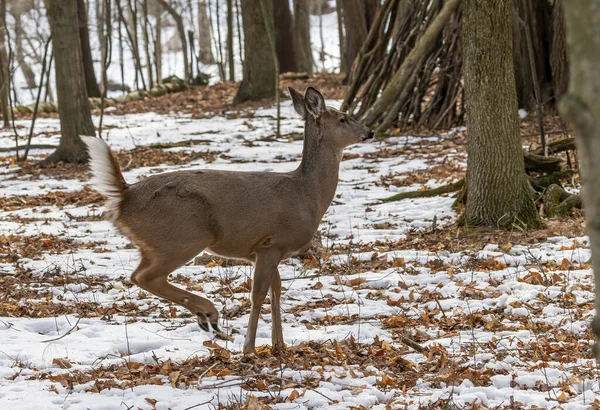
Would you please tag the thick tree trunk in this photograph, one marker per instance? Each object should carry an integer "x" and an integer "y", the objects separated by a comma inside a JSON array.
[
  {"x": 581, "y": 107},
  {"x": 86, "y": 52},
  {"x": 204, "y": 35},
  {"x": 259, "y": 68},
  {"x": 499, "y": 194},
  {"x": 73, "y": 103},
  {"x": 284, "y": 38},
  {"x": 4, "y": 72},
  {"x": 302, "y": 44}
]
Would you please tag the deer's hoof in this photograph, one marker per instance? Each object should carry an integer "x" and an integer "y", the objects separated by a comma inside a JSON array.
[
  {"x": 215, "y": 326},
  {"x": 202, "y": 321}
]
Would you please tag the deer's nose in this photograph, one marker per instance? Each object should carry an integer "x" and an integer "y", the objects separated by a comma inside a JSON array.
[{"x": 371, "y": 134}]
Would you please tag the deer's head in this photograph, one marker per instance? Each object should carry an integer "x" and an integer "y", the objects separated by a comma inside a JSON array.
[{"x": 333, "y": 128}]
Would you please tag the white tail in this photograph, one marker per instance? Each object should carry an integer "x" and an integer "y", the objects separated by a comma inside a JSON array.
[
  {"x": 261, "y": 217},
  {"x": 107, "y": 177}
]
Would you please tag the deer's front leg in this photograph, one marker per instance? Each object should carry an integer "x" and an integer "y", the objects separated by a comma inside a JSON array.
[{"x": 266, "y": 269}]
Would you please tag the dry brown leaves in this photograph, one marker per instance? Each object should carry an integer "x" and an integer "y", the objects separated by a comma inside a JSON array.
[
  {"x": 58, "y": 199},
  {"x": 206, "y": 102},
  {"x": 152, "y": 157},
  {"x": 393, "y": 370},
  {"x": 14, "y": 247}
]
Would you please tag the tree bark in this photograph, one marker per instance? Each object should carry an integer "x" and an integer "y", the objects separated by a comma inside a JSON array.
[
  {"x": 259, "y": 67},
  {"x": 284, "y": 38},
  {"x": 204, "y": 35},
  {"x": 4, "y": 72},
  {"x": 302, "y": 44},
  {"x": 581, "y": 107},
  {"x": 73, "y": 103},
  {"x": 499, "y": 194},
  {"x": 91, "y": 84}
]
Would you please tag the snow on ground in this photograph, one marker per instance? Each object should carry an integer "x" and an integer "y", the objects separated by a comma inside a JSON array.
[{"x": 501, "y": 325}]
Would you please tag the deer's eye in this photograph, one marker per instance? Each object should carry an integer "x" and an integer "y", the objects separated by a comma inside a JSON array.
[{"x": 343, "y": 120}]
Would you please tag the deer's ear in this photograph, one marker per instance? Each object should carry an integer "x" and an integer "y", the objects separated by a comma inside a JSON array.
[
  {"x": 298, "y": 101},
  {"x": 315, "y": 103}
]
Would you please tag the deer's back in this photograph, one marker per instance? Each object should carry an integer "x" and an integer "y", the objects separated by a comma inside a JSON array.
[{"x": 230, "y": 213}]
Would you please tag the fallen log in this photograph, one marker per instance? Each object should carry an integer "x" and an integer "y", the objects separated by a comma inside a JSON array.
[
  {"x": 558, "y": 202},
  {"x": 566, "y": 144},
  {"x": 539, "y": 163},
  {"x": 427, "y": 193},
  {"x": 542, "y": 182}
]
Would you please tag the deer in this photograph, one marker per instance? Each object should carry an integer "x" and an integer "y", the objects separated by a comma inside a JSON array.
[{"x": 259, "y": 217}]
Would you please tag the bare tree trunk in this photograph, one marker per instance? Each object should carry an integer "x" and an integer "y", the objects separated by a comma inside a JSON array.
[
  {"x": 355, "y": 23},
  {"x": 19, "y": 52},
  {"x": 4, "y": 73},
  {"x": 558, "y": 51},
  {"x": 340, "y": 20},
  {"x": 531, "y": 18},
  {"x": 147, "y": 44},
  {"x": 121, "y": 47},
  {"x": 230, "y": 58},
  {"x": 158, "y": 46},
  {"x": 132, "y": 37},
  {"x": 181, "y": 30},
  {"x": 204, "y": 35},
  {"x": 99, "y": 6},
  {"x": 303, "y": 46},
  {"x": 581, "y": 107},
  {"x": 91, "y": 83},
  {"x": 73, "y": 104},
  {"x": 239, "y": 30},
  {"x": 259, "y": 68},
  {"x": 284, "y": 38},
  {"x": 498, "y": 191},
  {"x": 219, "y": 41}
]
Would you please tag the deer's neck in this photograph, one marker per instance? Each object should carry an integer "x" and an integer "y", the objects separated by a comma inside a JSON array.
[{"x": 319, "y": 168}]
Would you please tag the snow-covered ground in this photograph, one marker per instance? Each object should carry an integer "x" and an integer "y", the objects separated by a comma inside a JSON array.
[{"x": 505, "y": 325}]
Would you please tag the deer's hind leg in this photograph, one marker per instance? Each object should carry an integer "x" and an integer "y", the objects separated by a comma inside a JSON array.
[
  {"x": 277, "y": 331},
  {"x": 264, "y": 272},
  {"x": 151, "y": 275}
]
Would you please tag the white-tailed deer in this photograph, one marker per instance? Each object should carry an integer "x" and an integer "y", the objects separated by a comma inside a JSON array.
[{"x": 262, "y": 217}]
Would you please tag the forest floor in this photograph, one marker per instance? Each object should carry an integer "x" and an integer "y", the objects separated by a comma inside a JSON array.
[{"x": 405, "y": 309}]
